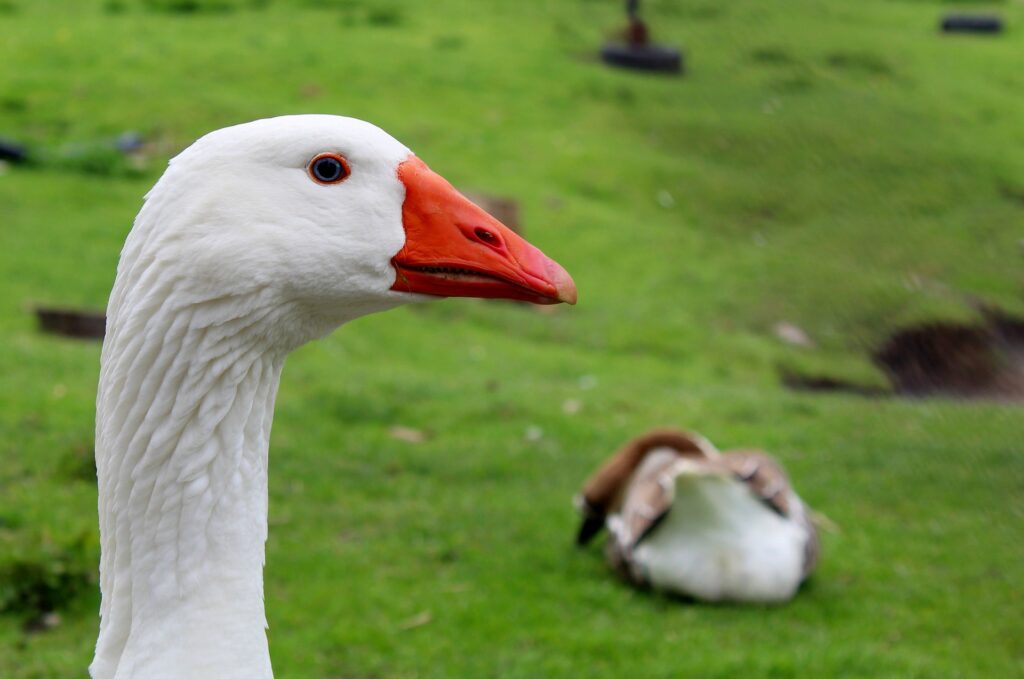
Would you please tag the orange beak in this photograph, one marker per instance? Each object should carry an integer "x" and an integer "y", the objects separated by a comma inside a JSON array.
[{"x": 453, "y": 248}]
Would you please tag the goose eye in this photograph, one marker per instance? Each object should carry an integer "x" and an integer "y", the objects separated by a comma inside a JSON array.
[{"x": 328, "y": 168}]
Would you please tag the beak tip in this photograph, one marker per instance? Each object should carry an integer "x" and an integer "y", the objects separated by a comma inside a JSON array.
[{"x": 565, "y": 288}]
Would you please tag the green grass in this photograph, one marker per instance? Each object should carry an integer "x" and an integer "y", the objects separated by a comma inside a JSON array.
[{"x": 839, "y": 165}]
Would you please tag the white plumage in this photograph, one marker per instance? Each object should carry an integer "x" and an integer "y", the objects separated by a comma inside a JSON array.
[
  {"x": 686, "y": 519},
  {"x": 237, "y": 257}
]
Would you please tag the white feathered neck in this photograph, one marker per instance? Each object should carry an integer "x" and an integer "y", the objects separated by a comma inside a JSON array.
[{"x": 224, "y": 272}]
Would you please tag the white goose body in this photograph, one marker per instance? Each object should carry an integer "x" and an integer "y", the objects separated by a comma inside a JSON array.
[
  {"x": 241, "y": 254},
  {"x": 719, "y": 542},
  {"x": 686, "y": 519}
]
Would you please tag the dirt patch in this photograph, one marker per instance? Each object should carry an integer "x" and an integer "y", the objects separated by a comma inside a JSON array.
[
  {"x": 72, "y": 322},
  {"x": 979, "y": 360},
  {"x": 803, "y": 382},
  {"x": 502, "y": 208}
]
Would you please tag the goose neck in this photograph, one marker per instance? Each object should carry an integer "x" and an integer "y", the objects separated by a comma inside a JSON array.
[{"x": 183, "y": 423}]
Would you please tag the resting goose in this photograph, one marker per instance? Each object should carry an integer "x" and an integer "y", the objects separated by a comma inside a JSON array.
[
  {"x": 257, "y": 239},
  {"x": 689, "y": 520}
]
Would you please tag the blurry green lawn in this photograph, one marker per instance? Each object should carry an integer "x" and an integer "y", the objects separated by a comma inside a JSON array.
[{"x": 838, "y": 165}]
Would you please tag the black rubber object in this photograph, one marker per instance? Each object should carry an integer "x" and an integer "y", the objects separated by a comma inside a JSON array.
[
  {"x": 650, "y": 57},
  {"x": 9, "y": 150},
  {"x": 971, "y": 23}
]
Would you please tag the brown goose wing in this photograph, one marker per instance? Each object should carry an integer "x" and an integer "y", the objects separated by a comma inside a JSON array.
[
  {"x": 647, "y": 501},
  {"x": 603, "y": 492},
  {"x": 767, "y": 480},
  {"x": 763, "y": 476}
]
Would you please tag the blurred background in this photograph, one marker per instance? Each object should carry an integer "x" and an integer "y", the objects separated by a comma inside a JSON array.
[{"x": 810, "y": 241}]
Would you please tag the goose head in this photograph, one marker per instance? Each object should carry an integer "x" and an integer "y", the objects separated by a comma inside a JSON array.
[
  {"x": 332, "y": 218},
  {"x": 257, "y": 239}
]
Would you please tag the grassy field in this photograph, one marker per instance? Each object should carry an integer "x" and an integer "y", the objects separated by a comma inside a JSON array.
[{"x": 841, "y": 166}]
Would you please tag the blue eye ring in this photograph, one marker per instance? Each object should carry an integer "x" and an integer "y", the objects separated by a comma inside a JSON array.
[{"x": 328, "y": 168}]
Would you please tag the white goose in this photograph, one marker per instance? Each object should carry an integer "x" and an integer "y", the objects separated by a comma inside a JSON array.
[
  {"x": 257, "y": 239},
  {"x": 686, "y": 519}
]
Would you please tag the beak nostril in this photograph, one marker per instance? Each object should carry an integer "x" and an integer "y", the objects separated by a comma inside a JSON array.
[{"x": 487, "y": 237}]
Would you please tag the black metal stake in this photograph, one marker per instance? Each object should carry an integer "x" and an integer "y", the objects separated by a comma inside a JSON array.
[{"x": 639, "y": 52}]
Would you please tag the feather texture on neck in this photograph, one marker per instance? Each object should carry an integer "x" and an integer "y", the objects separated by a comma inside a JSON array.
[{"x": 184, "y": 409}]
